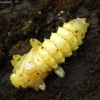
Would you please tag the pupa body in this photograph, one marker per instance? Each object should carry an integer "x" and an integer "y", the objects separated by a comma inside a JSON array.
[{"x": 31, "y": 69}]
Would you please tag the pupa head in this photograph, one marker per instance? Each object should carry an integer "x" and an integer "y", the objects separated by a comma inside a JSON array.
[{"x": 15, "y": 80}]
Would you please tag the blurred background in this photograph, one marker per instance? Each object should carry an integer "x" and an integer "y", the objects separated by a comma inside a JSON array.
[{"x": 21, "y": 20}]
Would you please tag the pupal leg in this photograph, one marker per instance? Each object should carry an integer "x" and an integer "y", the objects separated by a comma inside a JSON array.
[
  {"x": 42, "y": 86},
  {"x": 35, "y": 43},
  {"x": 15, "y": 60},
  {"x": 59, "y": 71}
]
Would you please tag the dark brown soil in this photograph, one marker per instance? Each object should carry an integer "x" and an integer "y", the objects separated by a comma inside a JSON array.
[{"x": 21, "y": 20}]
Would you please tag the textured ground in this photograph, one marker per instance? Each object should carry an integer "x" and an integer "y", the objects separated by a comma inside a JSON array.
[{"x": 21, "y": 20}]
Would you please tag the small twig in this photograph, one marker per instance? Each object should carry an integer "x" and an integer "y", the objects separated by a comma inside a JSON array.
[{"x": 59, "y": 95}]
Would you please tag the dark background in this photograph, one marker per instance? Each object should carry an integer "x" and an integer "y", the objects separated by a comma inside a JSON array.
[{"x": 82, "y": 80}]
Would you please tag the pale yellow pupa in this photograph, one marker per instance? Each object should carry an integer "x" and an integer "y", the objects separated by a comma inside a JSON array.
[{"x": 31, "y": 69}]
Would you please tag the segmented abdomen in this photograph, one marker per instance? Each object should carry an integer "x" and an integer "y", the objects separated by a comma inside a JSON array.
[{"x": 34, "y": 67}]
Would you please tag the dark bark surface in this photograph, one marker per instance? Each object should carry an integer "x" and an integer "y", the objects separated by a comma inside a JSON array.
[{"x": 21, "y": 20}]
